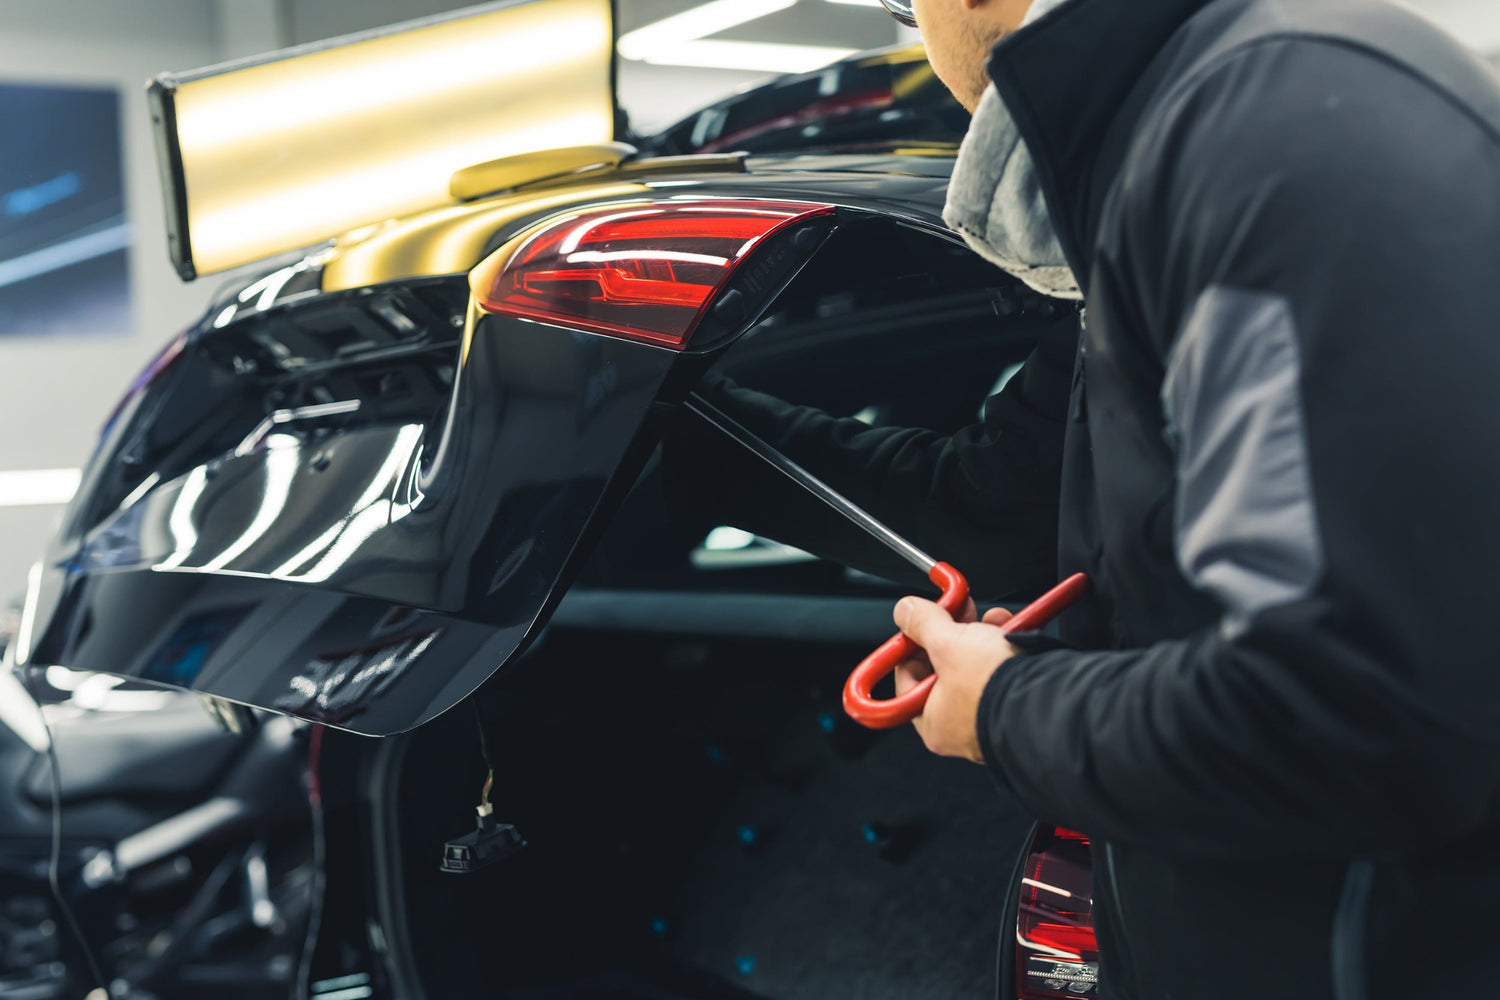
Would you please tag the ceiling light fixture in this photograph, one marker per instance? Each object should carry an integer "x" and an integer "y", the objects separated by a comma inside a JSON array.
[
  {"x": 38, "y": 487},
  {"x": 695, "y": 23},
  {"x": 682, "y": 40},
  {"x": 755, "y": 57}
]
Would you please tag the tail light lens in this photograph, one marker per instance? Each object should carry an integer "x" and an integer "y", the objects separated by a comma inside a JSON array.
[
  {"x": 1057, "y": 954},
  {"x": 643, "y": 272}
]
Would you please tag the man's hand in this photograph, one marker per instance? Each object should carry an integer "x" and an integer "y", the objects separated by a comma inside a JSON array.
[{"x": 965, "y": 654}]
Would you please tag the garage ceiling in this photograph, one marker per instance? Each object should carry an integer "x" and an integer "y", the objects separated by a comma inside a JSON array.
[
  {"x": 856, "y": 24},
  {"x": 1477, "y": 22},
  {"x": 810, "y": 22}
]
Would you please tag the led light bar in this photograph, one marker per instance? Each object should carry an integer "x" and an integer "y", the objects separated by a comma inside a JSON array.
[{"x": 280, "y": 152}]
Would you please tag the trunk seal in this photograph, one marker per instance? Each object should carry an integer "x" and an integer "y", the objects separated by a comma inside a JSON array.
[
  {"x": 1125, "y": 981},
  {"x": 1350, "y": 927},
  {"x": 1005, "y": 971}
]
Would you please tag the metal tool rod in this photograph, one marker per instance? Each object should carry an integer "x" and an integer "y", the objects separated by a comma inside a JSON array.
[{"x": 833, "y": 498}]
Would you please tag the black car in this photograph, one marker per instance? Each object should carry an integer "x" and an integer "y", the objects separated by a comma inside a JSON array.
[{"x": 394, "y": 511}]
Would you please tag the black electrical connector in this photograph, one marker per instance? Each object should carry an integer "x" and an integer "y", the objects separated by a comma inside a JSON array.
[{"x": 490, "y": 843}]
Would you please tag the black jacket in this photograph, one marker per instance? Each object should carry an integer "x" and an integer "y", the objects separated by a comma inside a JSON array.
[{"x": 1278, "y": 463}]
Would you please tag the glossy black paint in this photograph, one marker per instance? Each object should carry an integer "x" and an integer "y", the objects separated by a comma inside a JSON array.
[
  {"x": 890, "y": 97},
  {"x": 320, "y": 569},
  {"x": 344, "y": 560}
]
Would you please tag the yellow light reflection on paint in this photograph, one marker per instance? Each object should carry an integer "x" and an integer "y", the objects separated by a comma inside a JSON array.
[
  {"x": 448, "y": 240},
  {"x": 285, "y": 153}
]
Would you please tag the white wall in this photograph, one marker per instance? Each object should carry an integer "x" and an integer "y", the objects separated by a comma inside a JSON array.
[
  {"x": 1477, "y": 22},
  {"x": 55, "y": 393},
  {"x": 250, "y": 27},
  {"x": 311, "y": 20}
]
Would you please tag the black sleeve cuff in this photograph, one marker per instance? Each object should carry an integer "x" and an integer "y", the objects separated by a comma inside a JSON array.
[
  {"x": 1036, "y": 642},
  {"x": 989, "y": 708},
  {"x": 1030, "y": 644}
]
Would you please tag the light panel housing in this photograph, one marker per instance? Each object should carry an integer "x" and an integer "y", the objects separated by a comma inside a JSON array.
[{"x": 267, "y": 155}]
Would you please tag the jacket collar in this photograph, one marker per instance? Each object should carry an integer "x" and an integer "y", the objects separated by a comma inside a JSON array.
[{"x": 1065, "y": 79}]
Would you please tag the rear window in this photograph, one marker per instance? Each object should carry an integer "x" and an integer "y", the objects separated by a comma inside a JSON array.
[{"x": 888, "y": 97}]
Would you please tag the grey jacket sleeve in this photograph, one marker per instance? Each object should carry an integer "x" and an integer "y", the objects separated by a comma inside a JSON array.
[{"x": 1322, "y": 291}]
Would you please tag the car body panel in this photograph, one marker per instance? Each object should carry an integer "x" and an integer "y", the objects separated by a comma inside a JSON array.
[
  {"x": 274, "y": 576},
  {"x": 268, "y": 572},
  {"x": 452, "y": 240},
  {"x": 449, "y": 240}
]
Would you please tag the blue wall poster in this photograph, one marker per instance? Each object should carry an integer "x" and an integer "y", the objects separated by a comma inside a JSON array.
[{"x": 64, "y": 238}]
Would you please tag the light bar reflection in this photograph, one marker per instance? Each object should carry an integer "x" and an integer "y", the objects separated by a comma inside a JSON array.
[{"x": 38, "y": 487}]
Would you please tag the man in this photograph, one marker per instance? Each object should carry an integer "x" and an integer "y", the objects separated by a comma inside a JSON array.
[{"x": 1278, "y": 716}]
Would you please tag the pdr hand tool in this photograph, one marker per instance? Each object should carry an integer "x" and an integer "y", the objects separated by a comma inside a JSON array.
[{"x": 858, "y": 702}]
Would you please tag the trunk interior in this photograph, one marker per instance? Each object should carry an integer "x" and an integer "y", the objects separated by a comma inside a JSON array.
[{"x": 702, "y": 821}]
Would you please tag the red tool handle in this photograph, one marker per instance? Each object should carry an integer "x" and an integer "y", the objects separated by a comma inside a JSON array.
[{"x": 900, "y": 710}]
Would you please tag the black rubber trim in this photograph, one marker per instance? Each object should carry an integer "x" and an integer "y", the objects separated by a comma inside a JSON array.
[
  {"x": 622, "y": 131},
  {"x": 728, "y": 615},
  {"x": 161, "y": 96},
  {"x": 1005, "y": 960},
  {"x": 1350, "y": 924},
  {"x": 381, "y": 782}
]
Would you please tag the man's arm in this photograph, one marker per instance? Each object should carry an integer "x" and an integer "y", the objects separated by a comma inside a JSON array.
[
  {"x": 986, "y": 496},
  {"x": 1331, "y": 368}
]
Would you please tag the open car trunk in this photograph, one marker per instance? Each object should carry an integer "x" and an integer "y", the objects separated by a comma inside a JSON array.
[
  {"x": 344, "y": 511},
  {"x": 704, "y": 824}
]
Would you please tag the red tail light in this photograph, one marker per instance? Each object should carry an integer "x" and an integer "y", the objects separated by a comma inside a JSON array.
[
  {"x": 1057, "y": 953},
  {"x": 644, "y": 272}
]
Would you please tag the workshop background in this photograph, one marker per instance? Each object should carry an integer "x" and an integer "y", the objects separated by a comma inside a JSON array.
[{"x": 60, "y": 378}]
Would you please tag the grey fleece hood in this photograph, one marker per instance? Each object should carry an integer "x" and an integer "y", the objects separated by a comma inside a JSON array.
[{"x": 995, "y": 201}]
